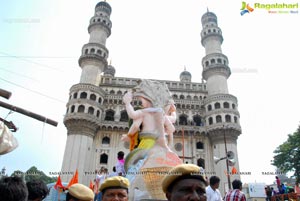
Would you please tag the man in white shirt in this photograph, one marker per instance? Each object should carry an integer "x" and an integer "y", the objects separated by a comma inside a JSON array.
[
  {"x": 212, "y": 192},
  {"x": 100, "y": 178}
]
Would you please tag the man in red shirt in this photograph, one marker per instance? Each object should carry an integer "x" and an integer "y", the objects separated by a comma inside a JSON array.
[
  {"x": 278, "y": 182},
  {"x": 236, "y": 194}
]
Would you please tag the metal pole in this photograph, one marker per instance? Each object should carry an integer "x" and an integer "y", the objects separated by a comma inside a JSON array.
[
  {"x": 28, "y": 113},
  {"x": 5, "y": 94},
  {"x": 227, "y": 165},
  {"x": 182, "y": 144}
]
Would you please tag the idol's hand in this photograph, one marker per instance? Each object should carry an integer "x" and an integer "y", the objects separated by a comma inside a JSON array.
[{"x": 127, "y": 98}]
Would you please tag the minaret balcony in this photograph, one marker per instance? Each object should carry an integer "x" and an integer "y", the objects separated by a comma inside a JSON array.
[
  {"x": 220, "y": 97},
  {"x": 221, "y": 111},
  {"x": 83, "y": 124},
  {"x": 214, "y": 58},
  {"x": 217, "y": 131},
  {"x": 81, "y": 116},
  {"x": 87, "y": 87},
  {"x": 206, "y": 36},
  {"x": 92, "y": 58},
  {"x": 103, "y": 23},
  {"x": 216, "y": 69}
]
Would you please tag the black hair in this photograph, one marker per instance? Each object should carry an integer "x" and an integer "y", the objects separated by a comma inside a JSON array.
[
  {"x": 237, "y": 184},
  {"x": 120, "y": 155},
  {"x": 214, "y": 180},
  {"x": 69, "y": 197},
  {"x": 36, "y": 189},
  {"x": 13, "y": 189}
]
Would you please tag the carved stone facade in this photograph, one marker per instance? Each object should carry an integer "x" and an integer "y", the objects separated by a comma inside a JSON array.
[{"x": 96, "y": 116}]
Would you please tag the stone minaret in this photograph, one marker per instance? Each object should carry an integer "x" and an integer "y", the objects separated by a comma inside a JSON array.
[
  {"x": 84, "y": 109},
  {"x": 221, "y": 116}
]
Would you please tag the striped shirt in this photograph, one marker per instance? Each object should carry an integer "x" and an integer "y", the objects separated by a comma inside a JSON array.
[{"x": 235, "y": 195}]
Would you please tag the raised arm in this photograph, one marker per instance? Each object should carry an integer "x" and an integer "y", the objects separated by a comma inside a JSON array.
[
  {"x": 133, "y": 114},
  {"x": 169, "y": 129},
  {"x": 135, "y": 126},
  {"x": 171, "y": 113}
]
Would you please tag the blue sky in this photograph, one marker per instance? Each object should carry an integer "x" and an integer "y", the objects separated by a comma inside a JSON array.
[{"x": 41, "y": 42}]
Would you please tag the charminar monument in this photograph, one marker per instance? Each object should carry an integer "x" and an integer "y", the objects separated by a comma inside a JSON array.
[{"x": 207, "y": 118}]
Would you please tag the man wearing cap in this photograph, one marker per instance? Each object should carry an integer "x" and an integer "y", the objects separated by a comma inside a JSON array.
[
  {"x": 115, "y": 188},
  {"x": 80, "y": 192},
  {"x": 185, "y": 182}
]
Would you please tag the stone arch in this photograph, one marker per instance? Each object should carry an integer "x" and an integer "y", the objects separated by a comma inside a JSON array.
[
  {"x": 201, "y": 163},
  {"x": 235, "y": 119},
  {"x": 72, "y": 108},
  {"x": 103, "y": 158},
  {"x": 217, "y": 105},
  {"x": 199, "y": 145},
  {"x": 210, "y": 121},
  {"x": 75, "y": 95},
  {"x": 183, "y": 119},
  {"x": 105, "y": 140},
  {"x": 226, "y": 105},
  {"x": 83, "y": 95},
  {"x": 124, "y": 116},
  {"x": 197, "y": 120},
  {"x": 93, "y": 97},
  {"x": 227, "y": 118},
  {"x": 91, "y": 110},
  {"x": 81, "y": 108},
  {"x": 109, "y": 115},
  {"x": 209, "y": 108},
  {"x": 218, "y": 119}
]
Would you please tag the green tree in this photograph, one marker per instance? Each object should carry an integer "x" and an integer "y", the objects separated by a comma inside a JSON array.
[
  {"x": 18, "y": 173},
  {"x": 287, "y": 155},
  {"x": 34, "y": 174}
]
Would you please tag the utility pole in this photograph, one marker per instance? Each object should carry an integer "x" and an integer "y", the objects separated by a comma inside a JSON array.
[
  {"x": 7, "y": 94},
  {"x": 227, "y": 165}
]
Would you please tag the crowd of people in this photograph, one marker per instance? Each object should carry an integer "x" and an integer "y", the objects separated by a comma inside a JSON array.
[
  {"x": 189, "y": 185},
  {"x": 281, "y": 189}
]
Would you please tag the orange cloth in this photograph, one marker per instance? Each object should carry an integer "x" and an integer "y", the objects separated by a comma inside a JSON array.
[
  {"x": 74, "y": 179},
  {"x": 234, "y": 170},
  {"x": 58, "y": 183},
  {"x": 133, "y": 140},
  {"x": 91, "y": 185}
]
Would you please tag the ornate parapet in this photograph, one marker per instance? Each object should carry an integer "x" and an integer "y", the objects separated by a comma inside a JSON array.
[
  {"x": 81, "y": 124},
  {"x": 216, "y": 132},
  {"x": 218, "y": 97},
  {"x": 87, "y": 87},
  {"x": 222, "y": 111},
  {"x": 216, "y": 69}
]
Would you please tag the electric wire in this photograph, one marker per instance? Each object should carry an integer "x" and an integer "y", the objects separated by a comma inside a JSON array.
[{"x": 33, "y": 91}]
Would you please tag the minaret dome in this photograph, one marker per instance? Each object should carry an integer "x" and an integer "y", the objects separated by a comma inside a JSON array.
[
  {"x": 110, "y": 71},
  {"x": 185, "y": 76}
]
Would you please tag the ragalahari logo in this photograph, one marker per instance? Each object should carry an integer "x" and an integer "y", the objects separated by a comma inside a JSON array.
[{"x": 246, "y": 8}]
